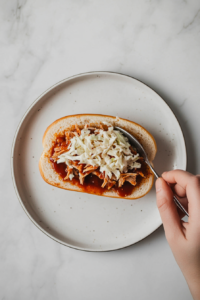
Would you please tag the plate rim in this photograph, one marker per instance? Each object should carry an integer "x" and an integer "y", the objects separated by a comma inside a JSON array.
[{"x": 15, "y": 139}]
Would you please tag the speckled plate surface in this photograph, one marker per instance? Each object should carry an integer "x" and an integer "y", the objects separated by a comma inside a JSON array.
[{"x": 84, "y": 221}]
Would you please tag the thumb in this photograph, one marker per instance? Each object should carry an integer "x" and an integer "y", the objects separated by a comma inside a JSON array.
[{"x": 167, "y": 209}]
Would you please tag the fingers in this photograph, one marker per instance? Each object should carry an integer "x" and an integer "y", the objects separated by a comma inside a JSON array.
[
  {"x": 178, "y": 176},
  {"x": 193, "y": 195},
  {"x": 179, "y": 190},
  {"x": 168, "y": 211},
  {"x": 191, "y": 184}
]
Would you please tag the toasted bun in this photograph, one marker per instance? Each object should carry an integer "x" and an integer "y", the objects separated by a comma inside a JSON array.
[{"x": 59, "y": 126}]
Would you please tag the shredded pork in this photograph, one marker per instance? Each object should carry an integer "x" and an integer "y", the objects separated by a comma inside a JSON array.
[{"x": 69, "y": 171}]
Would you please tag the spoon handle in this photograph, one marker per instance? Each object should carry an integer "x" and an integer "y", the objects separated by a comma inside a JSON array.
[
  {"x": 178, "y": 204},
  {"x": 152, "y": 169}
]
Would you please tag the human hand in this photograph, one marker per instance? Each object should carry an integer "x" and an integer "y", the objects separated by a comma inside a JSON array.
[{"x": 183, "y": 238}]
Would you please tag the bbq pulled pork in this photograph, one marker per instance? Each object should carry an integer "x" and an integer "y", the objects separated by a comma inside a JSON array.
[{"x": 78, "y": 170}]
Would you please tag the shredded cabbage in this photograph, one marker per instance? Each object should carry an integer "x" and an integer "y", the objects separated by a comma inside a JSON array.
[{"x": 109, "y": 150}]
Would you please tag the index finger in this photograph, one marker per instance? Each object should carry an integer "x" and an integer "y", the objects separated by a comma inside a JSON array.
[
  {"x": 191, "y": 184},
  {"x": 178, "y": 176}
]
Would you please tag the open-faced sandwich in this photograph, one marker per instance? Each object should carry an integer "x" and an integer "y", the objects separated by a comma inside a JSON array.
[{"x": 84, "y": 153}]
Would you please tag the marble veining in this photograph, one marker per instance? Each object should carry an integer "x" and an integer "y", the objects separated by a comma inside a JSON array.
[{"x": 42, "y": 42}]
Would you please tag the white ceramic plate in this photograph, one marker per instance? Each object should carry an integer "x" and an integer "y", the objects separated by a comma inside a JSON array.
[{"x": 84, "y": 221}]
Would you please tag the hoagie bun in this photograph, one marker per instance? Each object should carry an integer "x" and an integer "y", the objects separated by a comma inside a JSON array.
[{"x": 98, "y": 174}]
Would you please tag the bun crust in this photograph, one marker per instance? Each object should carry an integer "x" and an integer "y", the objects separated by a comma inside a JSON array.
[{"x": 59, "y": 126}]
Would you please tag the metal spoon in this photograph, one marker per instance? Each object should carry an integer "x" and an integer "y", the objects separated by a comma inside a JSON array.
[{"x": 142, "y": 152}]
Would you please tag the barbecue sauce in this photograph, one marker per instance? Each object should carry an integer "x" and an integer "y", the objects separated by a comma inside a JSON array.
[
  {"x": 59, "y": 168},
  {"x": 92, "y": 183}
]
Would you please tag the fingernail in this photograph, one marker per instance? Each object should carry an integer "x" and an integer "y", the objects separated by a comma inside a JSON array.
[{"x": 158, "y": 185}]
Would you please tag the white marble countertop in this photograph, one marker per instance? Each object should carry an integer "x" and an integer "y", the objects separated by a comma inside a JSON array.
[{"x": 43, "y": 42}]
